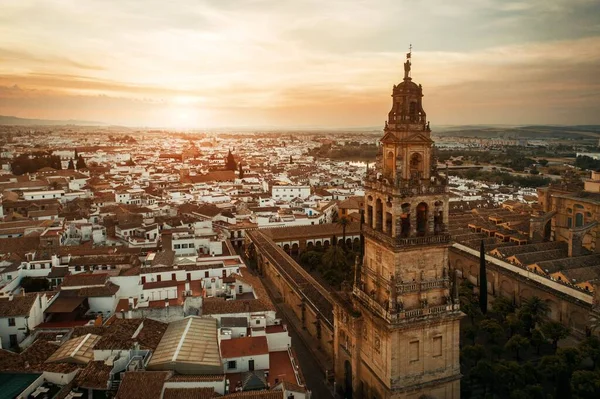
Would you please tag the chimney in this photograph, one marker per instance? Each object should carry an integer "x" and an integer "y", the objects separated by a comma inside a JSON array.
[
  {"x": 166, "y": 302},
  {"x": 10, "y": 296},
  {"x": 130, "y": 302}
]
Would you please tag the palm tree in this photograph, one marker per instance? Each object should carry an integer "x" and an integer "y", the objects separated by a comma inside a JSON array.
[
  {"x": 343, "y": 222},
  {"x": 595, "y": 319},
  {"x": 532, "y": 312}
]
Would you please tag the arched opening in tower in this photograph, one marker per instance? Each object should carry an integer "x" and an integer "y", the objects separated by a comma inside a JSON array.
[
  {"x": 416, "y": 165},
  {"x": 404, "y": 220},
  {"x": 422, "y": 211},
  {"x": 413, "y": 111},
  {"x": 389, "y": 164},
  {"x": 378, "y": 215}
]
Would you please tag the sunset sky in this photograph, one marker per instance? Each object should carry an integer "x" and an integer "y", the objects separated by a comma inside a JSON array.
[{"x": 295, "y": 63}]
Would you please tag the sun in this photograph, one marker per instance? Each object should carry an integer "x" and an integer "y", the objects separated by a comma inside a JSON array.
[{"x": 187, "y": 112}]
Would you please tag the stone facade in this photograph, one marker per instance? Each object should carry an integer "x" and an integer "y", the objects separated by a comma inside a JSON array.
[{"x": 397, "y": 334}]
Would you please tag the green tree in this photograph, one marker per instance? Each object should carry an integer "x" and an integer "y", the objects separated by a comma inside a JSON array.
[
  {"x": 555, "y": 331},
  {"x": 343, "y": 222},
  {"x": 585, "y": 384},
  {"x": 470, "y": 333},
  {"x": 537, "y": 339},
  {"x": 334, "y": 265},
  {"x": 493, "y": 330},
  {"x": 503, "y": 307},
  {"x": 471, "y": 354},
  {"x": 532, "y": 312},
  {"x": 517, "y": 343},
  {"x": 484, "y": 373},
  {"x": 595, "y": 319},
  {"x": 591, "y": 347},
  {"x": 311, "y": 259},
  {"x": 514, "y": 324}
]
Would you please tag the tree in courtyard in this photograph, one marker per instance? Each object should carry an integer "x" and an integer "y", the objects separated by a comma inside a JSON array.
[
  {"x": 513, "y": 323},
  {"x": 493, "y": 330},
  {"x": 483, "y": 297},
  {"x": 503, "y": 307},
  {"x": 591, "y": 347},
  {"x": 517, "y": 343},
  {"x": 532, "y": 312},
  {"x": 537, "y": 339},
  {"x": 554, "y": 331},
  {"x": 483, "y": 372},
  {"x": 71, "y": 164},
  {"x": 343, "y": 222},
  {"x": 585, "y": 384},
  {"x": 311, "y": 259},
  {"x": 241, "y": 171},
  {"x": 471, "y": 354},
  {"x": 594, "y": 319},
  {"x": 334, "y": 266}
]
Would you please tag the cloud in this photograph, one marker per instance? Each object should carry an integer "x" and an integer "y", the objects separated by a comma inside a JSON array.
[{"x": 306, "y": 59}]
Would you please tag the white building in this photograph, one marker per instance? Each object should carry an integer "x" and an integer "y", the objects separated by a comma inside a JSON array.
[
  {"x": 289, "y": 192},
  {"x": 19, "y": 315}
]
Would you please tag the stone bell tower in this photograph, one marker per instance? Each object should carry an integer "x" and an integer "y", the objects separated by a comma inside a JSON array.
[{"x": 397, "y": 335}]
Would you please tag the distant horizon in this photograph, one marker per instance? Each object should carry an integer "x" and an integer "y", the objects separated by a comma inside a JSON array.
[{"x": 83, "y": 123}]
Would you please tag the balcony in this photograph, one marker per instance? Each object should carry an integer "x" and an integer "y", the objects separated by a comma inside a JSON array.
[
  {"x": 402, "y": 315},
  {"x": 433, "y": 239},
  {"x": 422, "y": 286},
  {"x": 405, "y": 189}
]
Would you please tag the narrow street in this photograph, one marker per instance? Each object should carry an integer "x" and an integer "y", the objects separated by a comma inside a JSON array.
[{"x": 315, "y": 379}]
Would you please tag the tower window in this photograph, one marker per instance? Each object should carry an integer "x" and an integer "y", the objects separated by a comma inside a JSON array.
[
  {"x": 437, "y": 346},
  {"x": 413, "y": 351}
]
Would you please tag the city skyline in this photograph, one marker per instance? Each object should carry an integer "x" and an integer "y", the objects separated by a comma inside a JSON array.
[{"x": 263, "y": 63}]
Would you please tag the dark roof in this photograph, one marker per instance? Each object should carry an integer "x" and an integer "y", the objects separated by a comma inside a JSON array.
[
  {"x": 65, "y": 303},
  {"x": 19, "y": 305},
  {"x": 189, "y": 393},
  {"x": 109, "y": 289},
  {"x": 119, "y": 335},
  {"x": 142, "y": 384},
  {"x": 83, "y": 279},
  {"x": 94, "y": 376},
  {"x": 234, "y": 322}
]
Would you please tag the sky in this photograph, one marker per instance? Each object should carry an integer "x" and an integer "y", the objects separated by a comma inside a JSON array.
[{"x": 298, "y": 63}]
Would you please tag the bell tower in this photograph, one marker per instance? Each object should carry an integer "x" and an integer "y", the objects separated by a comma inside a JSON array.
[{"x": 399, "y": 338}]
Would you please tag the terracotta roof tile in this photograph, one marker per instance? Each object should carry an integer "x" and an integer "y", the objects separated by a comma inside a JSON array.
[
  {"x": 142, "y": 384},
  {"x": 245, "y": 346},
  {"x": 84, "y": 279},
  {"x": 189, "y": 393},
  {"x": 19, "y": 305},
  {"x": 94, "y": 376}
]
